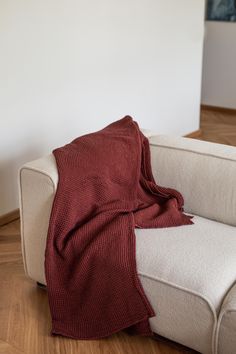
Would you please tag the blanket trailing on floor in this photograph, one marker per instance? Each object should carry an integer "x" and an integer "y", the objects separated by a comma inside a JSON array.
[{"x": 105, "y": 190}]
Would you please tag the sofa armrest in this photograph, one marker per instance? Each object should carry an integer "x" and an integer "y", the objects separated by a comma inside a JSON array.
[
  {"x": 204, "y": 172},
  {"x": 37, "y": 184}
]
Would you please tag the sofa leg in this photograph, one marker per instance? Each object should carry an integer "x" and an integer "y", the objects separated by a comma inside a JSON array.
[{"x": 41, "y": 286}]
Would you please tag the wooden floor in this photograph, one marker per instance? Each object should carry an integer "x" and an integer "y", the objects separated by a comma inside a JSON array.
[
  {"x": 24, "y": 313},
  {"x": 218, "y": 127}
]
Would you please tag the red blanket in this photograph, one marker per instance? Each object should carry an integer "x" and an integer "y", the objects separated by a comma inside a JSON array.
[{"x": 105, "y": 190}]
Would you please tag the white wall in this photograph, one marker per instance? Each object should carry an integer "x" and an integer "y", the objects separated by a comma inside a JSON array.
[
  {"x": 70, "y": 67},
  {"x": 219, "y": 65}
]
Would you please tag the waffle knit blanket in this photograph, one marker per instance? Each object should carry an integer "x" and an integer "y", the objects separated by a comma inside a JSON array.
[{"x": 105, "y": 190}]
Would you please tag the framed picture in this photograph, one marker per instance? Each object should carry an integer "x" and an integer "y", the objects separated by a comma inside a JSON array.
[{"x": 221, "y": 10}]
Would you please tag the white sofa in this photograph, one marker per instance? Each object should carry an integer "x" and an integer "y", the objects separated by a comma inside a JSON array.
[{"x": 188, "y": 272}]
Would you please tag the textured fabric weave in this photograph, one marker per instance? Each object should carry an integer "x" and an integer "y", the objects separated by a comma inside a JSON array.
[{"x": 105, "y": 190}]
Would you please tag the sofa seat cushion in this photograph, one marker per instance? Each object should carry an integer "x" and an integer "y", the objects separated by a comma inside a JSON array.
[
  {"x": 199, "y": 257},
  {"x": 186, "y": 272}
]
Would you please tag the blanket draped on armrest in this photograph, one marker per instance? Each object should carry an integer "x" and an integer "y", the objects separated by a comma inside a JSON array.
[{"x": 105, "y": 190}]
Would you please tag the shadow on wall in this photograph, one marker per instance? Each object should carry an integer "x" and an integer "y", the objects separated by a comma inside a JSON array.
[{"x": 9, "y": 171}]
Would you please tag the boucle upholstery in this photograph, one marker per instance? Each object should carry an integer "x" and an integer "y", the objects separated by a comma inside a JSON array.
[
  {"x": 226, "y": 329},
  {"x": 205, "y": 173},
  {"x": 186, "y": 275}
]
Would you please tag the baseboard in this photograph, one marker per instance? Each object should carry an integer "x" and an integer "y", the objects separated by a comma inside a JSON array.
[
  {"x": 194, "y": 134},
  {"x": 11, "y": 216},
  {"x": 219, "y": 109}
]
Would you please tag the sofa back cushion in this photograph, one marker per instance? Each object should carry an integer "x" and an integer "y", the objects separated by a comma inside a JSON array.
[{"x": 204, "y": 172}]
